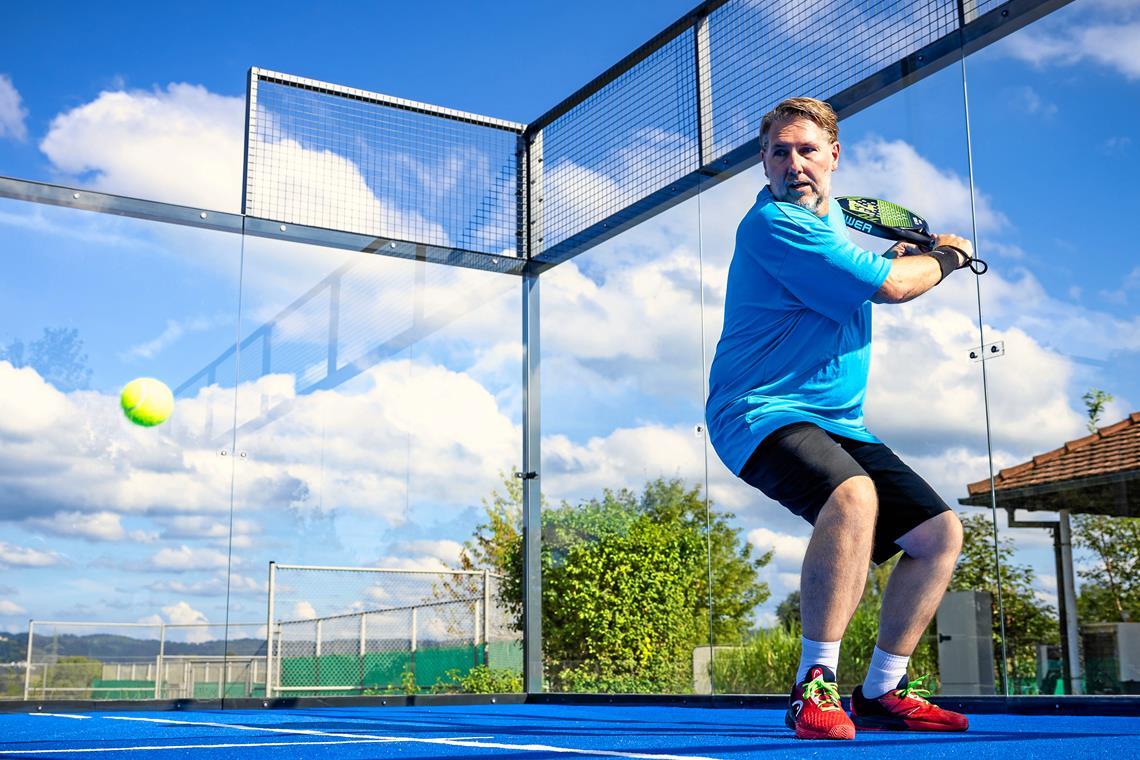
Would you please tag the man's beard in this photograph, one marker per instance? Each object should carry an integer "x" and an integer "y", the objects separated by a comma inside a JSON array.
[{"x": 810, "y": 200}]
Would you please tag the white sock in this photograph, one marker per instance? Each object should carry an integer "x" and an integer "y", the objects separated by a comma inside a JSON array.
[
  {"x": 884, "y": 673},
  {"x": 817, "y": 653}
]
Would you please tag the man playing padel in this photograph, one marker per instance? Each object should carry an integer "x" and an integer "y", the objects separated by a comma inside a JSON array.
[{"x": 785, "y": 413}]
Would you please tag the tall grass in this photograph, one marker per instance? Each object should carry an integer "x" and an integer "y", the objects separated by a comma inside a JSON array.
[{"x": 766, "y": 664}]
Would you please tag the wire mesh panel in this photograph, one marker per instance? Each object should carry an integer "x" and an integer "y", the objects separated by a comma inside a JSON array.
[
  {"x": 346, "y": 631},
  {"x": 766, "y": 50},
  {"x": 345, "y": 159},
  {"x": 84, "y": 660},
  {"x": 630, "y": 138},
  {"x": 685, "y": 109}
]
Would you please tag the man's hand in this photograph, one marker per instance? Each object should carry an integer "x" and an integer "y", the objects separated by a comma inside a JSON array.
[
  {"x": 902, "y": 248},
  {"x": 961, "y": 243}
]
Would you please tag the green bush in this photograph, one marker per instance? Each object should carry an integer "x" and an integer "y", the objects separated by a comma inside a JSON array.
[{"x": 480, "y": 680}]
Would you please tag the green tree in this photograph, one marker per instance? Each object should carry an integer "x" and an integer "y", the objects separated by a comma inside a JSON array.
[
  {"x": 788, "y": 612},
  {"x": 74, "y": 672},
  {"x": 625, "y": 583},
  {"x": 1095, "y": 401},
  {"x": 1111, "y": 589},
  {"x": 57, "y": 356},
  {"x": 1028, "y": 620}
]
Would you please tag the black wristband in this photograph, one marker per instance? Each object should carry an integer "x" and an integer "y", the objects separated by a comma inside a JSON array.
[{"x": 947, "y": 259}]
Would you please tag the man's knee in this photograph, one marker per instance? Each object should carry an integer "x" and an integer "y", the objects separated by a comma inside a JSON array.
[
  {"x": 940, "y": 537},
  {"x": 856, "y": 494}
]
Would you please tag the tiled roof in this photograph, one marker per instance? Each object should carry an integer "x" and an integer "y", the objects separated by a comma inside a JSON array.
[{"x": 1115, "y": 448}]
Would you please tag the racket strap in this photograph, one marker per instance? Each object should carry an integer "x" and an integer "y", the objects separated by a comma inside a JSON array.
[{"x": 947, "y": 258}]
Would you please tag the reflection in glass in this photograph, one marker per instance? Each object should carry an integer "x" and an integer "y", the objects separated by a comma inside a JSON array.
[
  {"x": 115, "y": 536},
  {"x": 378, "y": 404},
  {"x": 626, "y": 537}
]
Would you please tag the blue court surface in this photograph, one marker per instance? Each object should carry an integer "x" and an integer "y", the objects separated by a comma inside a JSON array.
[{"x": 534, "y": 732}]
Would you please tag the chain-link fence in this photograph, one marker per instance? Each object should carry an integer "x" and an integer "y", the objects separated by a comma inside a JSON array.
[
  {"x": 86, "y": 660},
  {"x": 348, "y": 631}
]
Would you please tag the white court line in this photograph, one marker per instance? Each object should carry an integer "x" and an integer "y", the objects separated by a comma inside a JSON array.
[
  {"x": 62, "y": 715},
  {"x": 420, "y": 740},
  {"x": 176, "y": 746}
]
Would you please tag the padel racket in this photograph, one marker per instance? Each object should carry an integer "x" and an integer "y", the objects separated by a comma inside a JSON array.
[{"x": 891, "y": 221}]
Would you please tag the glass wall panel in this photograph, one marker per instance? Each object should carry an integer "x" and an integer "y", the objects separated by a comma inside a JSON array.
[
  {"x": 114, "y": 536},
  {"x": 924, "y": 396},
  {"x": 379, "y": 412},
  {"x": 625, "y": 563},
  {"x": 1052, "y": 109}
]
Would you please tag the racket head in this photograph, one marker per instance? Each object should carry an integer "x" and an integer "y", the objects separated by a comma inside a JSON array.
[{"x": 884, "y": 219}]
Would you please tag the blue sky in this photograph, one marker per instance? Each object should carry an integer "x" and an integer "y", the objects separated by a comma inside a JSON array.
[{"x": 111, "y": 522}]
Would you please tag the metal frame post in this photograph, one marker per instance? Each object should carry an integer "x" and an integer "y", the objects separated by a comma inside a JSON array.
[
  {"x": 704, "y": 91},
  {"x": 1067, "y": 598},
  {"x": 486, "y": 616},
  {"x": 269, "y": 632},
  {"x": 158, "y": 661},
  {"x": 28, "y": 667},
  {"x": 533, "y": 197},
  {"x": 531, "y": 490}
]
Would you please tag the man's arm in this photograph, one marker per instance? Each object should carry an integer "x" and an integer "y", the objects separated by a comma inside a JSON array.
[{"x": 912, "y": 275}]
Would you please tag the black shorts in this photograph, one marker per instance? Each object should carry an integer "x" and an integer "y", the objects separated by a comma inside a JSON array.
[{"x": 799, "y": 465}]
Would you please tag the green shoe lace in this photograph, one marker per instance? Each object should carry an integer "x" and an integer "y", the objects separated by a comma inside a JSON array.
[
  {"x": 916, "y": 688},
  {"x": 824, "y": 693}
]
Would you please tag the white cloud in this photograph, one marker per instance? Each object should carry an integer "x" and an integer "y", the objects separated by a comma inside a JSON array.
[
  {"x": 895, "y": 169},
  {"x": 112, "y": 466},
  {"x": 1030, "y": 101},
  {"x": 422, "y": 555},
  {"x": 214, "y": 587},
  {"x": 96, "y": 526},
  {"x": 182, "y": 614},
  {"x": 12, "y": 111},
  {"x": 173, "y": 331},
  {"x": 208, "y": 527},
  {"x": 28, "y": 403},
  {"x": 188, "y": 558},
  {"x": 304, "y": 611},
  {"x": 183, "y": 144},
  {"x": 626, "y": 457},
  {"x": 10, "y": 608},
  {"x": 787, "y": 550},
  {"x": 24, "y": 556},
  {"x": 1106, "y": 39}
]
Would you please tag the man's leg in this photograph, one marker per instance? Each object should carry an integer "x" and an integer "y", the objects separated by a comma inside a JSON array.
[
  {"x": 838, "y": 555},
  {"x": 918, "y": 582},
  {"x": 910, "y": 600}
]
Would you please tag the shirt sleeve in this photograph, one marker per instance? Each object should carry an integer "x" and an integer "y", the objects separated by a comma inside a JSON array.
[{"x": 819, "y": 266}]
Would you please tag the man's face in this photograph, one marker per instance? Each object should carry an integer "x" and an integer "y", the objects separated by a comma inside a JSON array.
[{"x": 799, "y": 160}]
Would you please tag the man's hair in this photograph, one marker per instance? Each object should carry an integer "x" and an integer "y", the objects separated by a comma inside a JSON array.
[{"x": 801, "y": 108}]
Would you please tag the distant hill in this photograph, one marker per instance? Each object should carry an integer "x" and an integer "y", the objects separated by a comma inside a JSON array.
[{"x": 14, "y": 646}]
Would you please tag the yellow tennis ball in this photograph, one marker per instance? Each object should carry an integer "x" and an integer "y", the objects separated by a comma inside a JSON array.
[{"x": 146, "y": 401}]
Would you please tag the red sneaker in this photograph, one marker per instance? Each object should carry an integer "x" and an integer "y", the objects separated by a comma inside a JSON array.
[
  {"x": 814, "y": 710},
  {"x": 904, "y": 709}
]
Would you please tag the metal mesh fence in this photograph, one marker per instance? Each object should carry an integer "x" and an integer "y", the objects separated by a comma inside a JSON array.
[
  {"x": 340, "y": 158},
  {"x": 83, "y": 660},
  {"x": 635, "y": 135},
  {"x": 350, "y": 631},
  {"x": 638, "y": 139},
  {"x": 764, "y": 51}
]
